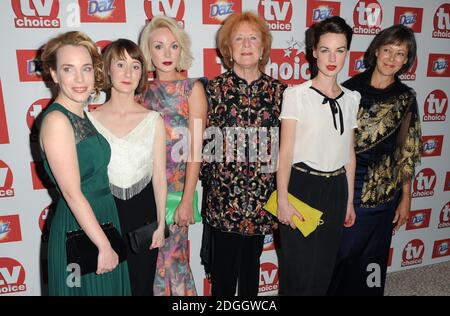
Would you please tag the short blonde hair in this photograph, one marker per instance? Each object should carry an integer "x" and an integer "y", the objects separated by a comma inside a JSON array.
[
  {"x": 231, "y": 24},
  {"x": 181, "y": 36},
  {"x": 49, "y": 55}
]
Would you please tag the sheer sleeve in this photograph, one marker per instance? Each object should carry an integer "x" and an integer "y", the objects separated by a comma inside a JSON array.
[{"x": 409, "y": 144}]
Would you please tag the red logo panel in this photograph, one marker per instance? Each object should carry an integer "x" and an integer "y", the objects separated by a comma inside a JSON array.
[
  {"x": 432, "y": 145},
  {"x": 438, "y": 65},
  {"x": 216, "y": 11},
  {"x": 4, "y": 136},
  {"x": 367, "y": 17},
  {"x": 10, "y": 229},
  {"x": 317, "y": 11},
  {"x": 28, "y": 65},
  {"x": 36, "y": 13},
  {"x": 410, "y": 17}
]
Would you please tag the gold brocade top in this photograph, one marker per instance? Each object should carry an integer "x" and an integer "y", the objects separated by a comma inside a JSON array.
[{"x": 388, "y": 139}]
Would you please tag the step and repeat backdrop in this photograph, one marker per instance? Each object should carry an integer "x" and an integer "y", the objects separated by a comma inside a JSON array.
[{"x": 26, "y": 194}]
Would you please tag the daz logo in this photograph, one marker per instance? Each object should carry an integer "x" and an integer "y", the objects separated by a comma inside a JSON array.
[
  {"x": 268, "y": 243},
  {"x": 268, "y": 277},
  {"x": 410, "y": 17},
  {"x": 435, "y": 106},
  {"x": 12, "y": 276},
  {"x": 413, "y": 253},
  {"x": 6, "y": 180},
  {"x": 441, "y": 22},
  {"x": 216, "y": 11},
  {"x": 418, "y": 219},
  {"x": 367, "y": 17},
  {"x": 356, "y": 63},
  {"x": 10, "y": 229},
  {"x": 102, "y": 11},
  {"x": 317, "y": 11},
  {"x": 424, "y": 183},
  {"x": 4, "y": 137},
  {"x": 277, "y": 13},
  {"x": 432, "y": 145},
  {"x": 172, "y": 8},
  {"x": 441, "y": 248},
  {"x": 444, "y": 217},
  {"x": 36, "y": 13},
  {"x": 438, "y": 65},
  {"x": 28, "y": 65}
]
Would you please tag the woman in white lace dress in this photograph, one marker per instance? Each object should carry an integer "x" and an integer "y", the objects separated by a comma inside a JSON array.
[{"x": 137, "y": 170}]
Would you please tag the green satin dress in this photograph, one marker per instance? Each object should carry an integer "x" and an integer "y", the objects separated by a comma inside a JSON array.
[{"x": 93, "y": 154}]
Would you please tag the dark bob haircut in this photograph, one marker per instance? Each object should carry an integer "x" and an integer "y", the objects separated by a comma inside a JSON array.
[{"x": 397, "y": 35}]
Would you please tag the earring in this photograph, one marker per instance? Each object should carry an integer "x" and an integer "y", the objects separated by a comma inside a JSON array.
[
  {"x": 260, "y": 57},
  {"x": 231, "y": 59}
]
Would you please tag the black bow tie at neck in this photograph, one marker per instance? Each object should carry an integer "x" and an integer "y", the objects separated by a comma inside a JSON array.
[{"x": 335, "y": 108}]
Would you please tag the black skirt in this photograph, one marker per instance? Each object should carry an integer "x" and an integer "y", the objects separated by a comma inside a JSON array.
[
  {"x": 134, "y": 213},
  {"x": 306, "y": 263}
]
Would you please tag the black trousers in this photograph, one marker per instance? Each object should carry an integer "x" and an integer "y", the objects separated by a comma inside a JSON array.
[
  {"x": 306, "y": 264},
  {"x": 235, "y": 261}
]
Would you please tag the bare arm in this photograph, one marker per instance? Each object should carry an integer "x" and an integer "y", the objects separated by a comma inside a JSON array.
[
  {"x": 402, "y": 211},
  {"x": 287, "y": 139},
  {"x": 159, "y": 181},
  {"x": 197, "y": 120},
  {"x": 58, "y": 143},
  {"x": 350, "y": 173}
]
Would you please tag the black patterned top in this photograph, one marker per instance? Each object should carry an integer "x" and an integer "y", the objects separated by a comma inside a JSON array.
[
  {"x": 388, "y": 139},
  {"x": 241, "y": 152}
]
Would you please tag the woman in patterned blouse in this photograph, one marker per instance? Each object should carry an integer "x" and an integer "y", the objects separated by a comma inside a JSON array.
[{"x": 239, "y": 175}]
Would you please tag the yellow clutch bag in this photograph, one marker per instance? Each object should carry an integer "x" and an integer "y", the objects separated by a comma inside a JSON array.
[{"x": 310, "y": 215}]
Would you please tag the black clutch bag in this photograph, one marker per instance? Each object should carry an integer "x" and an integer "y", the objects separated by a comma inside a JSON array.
[
  {"x": 82, "y": 251},
  {"x": 141, "y": 238}
]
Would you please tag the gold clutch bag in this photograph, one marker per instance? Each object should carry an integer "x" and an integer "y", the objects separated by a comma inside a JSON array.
[{"x": 310, "y": 215}]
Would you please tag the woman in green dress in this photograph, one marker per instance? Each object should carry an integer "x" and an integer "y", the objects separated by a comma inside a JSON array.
[{"x": 76, "y": 157}]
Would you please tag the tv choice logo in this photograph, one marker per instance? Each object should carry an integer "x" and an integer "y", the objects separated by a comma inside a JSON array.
[
  {"x": 277, "y": 14},
  {"x": 441, "y": 248},
  {"x": 268, "y": 277},
  {"x": 6, "y": 180},
  {"x": 12, "y": 276},
  {"x": 418, "y": 219},
  {"x": 424, "y": 183},
  {"x": 284, "y": 64},
  {"x": 28, "y": 65},
  {"x": 413, "y": 253},
  {"x": 435, "y": 106},
  {"x": 356, "y": 63},
  {"x": 212, "y": 65},
  {"x": 171, "y": 8},
  {"x": 410, "y": 17},
  {"x": 367, "y": 17},
  {"x": 317, "y": 11},
  {"x": 288, "y": 65},
  {"x": 216, "y": 11},
  {"x": 10, "y": 229},
  {"x": 36, "y": 13},
  {"x": 441, "y": 22},
  {"x": 410, "y": 74},
  {"x": 447, "y": 182},
  {"x": 4, "y": 136},
  {"x": 102, "y": 11},
  {"x": 438, "y": 65},
  {"x": 34, "y": 110},
  {"x": 43, "y": 216},
  {"x": 432, "y": 145},
  {"x": 444, "y": 216}
]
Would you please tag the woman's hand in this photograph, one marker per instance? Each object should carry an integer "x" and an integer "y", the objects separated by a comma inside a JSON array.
[
  {"x": 107, "y": 260},
  {"x": 350, "y": 216},
  {"x": 286, "y": 213},
  {"x": 158, "y": 238},
  {"x": 402, "y": 213},
  {"x": 184, "y": 214}
]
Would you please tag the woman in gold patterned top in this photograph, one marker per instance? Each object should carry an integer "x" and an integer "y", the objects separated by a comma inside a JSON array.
[{"x": 388, "y": 147}]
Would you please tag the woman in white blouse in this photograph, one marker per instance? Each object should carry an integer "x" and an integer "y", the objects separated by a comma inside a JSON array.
[
  {"x": 317, "y": 163},
  {"x": 137, "y": 170}
]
